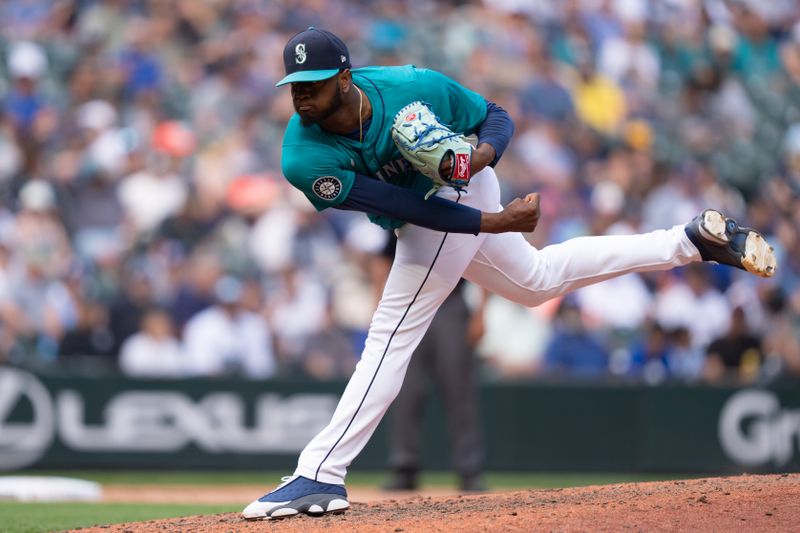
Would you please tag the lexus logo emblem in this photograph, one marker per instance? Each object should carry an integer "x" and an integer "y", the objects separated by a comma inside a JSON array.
[{"x": 27, "y": 421}]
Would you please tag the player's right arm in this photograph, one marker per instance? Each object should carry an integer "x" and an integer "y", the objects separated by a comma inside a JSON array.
[
  {"x": 316, "y": 171},
  {"x": 377, "y": 197}
]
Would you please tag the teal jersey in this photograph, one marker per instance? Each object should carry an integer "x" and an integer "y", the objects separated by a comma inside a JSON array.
[{"x": 323, "y": 165}]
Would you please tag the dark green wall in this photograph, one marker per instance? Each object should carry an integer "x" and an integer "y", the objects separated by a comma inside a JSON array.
[{"x": 55, "y": 422}]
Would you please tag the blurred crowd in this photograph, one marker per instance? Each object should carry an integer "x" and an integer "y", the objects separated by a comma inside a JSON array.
[{"x": 145, "y": 226}]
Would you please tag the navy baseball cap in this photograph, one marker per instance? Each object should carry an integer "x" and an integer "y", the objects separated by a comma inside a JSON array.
[{"x": 313, "y": 55}]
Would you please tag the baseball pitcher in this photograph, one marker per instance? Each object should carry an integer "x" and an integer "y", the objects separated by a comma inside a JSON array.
[{"x": 390, "y": 142}]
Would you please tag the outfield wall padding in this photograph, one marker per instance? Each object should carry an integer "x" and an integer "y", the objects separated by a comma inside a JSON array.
[{"x": 55, "y": 422}]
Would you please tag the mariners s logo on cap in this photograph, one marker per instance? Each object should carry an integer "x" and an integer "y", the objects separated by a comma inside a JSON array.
[
  {"x": 300, "y": 53},
  {"x": 327, "y": 187},
  {"x": 314, "y": 55}
]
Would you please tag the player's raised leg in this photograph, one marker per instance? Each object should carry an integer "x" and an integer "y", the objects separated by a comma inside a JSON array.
[{"x": 509, "y": 266}]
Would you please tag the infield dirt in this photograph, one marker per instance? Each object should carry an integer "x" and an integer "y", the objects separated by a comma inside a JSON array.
[{"x": 741, "y": 503}]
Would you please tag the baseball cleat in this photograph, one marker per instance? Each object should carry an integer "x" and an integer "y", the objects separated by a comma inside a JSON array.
[
  {"x": 722, "y": 240},
  {"x": 298, "y": 494}
]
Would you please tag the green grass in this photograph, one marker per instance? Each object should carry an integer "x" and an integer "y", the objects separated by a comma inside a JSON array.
[
  {"x": 499, "y": 480},
  {"x": 39, "y": 517}
]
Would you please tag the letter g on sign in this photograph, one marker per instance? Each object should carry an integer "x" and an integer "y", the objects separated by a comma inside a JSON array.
[{"x": 744, "y": 426}]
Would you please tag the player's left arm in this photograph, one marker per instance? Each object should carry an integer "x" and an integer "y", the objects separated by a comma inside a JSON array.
[
  {"x": 467, "y": 112},
  {"x": 494, "y": 134}
]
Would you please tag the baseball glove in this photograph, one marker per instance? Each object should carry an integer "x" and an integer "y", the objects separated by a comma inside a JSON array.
[{"x": 427, "y": 143}]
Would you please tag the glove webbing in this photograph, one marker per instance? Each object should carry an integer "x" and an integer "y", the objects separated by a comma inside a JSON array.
[{"x": 420, "y": 142}]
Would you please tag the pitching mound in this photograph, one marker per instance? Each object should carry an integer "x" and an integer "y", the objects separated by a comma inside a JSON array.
[{"x": 742, "y": 503}]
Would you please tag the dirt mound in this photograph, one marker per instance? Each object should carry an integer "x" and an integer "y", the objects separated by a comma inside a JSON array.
[{"x": 742, "y": 503}]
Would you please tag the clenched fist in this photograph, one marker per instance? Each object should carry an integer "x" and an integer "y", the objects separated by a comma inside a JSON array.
[{"x": 521, "y": 215}]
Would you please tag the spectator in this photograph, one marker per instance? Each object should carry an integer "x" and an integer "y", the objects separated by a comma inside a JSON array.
[
  {"x": 781, "y": 338},
  {"x": 757, "y": 52},
  {"x": 599, "y": 101},
  {"x": 572, "y": 351},
  {"x": 194, "y": 292},
  {"x": 187, "y": 228},
  {"x": 327, "y": 353},
  {"x": 27, "y": 63},
  {"x": 39, "y": 308},
  {"x": 152, "y": 193},
  {"x": 39, "y": 234},
  {"x": 546, "y": 97},
  {"x": 630, "y": 60},
  {"x": 600, "y": 304},
  {"x": 297, "y": 312},
  {"x": 153, "y": 352},
  {"x": 10, "y": 151},
  {"x": 127, "y": 310},
  {"x": 140, "y": 66},
  {"x": 360, "y": 278},
  {"x": 515, "y": 337},
  {"x": 686, "y": 362},
  {"x": 7, "y": 311},
  {"x": 227, "y": 339},
  {"x": 602, "y": 23},
  {"x": 97, "y": 219},
  {"x": 91, "y": 336},
  {"x": 659, "y": 355},
  {"x": 650, "y": 356},
  {"x": 737, "y": 355},
  {"x": 695, "y": 305}
]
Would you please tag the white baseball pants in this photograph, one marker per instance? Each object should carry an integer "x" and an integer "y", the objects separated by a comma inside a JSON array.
[{"x": 427, "y": 266}]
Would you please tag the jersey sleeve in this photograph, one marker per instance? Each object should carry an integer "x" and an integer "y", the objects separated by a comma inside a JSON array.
[
  {"x": 462, "y": 109},
  {"x": 316, "y": 171},
  {"x": 390, "y": 202}
]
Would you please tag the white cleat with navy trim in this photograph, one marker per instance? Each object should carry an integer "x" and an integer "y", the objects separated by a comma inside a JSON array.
[{"x": 297, "y": 495}]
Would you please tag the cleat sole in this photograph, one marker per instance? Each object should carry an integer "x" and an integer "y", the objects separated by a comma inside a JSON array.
[
  {"x": 713, "y": 227},
  {"x": 759, "y": 256},
  {"x": 296, "y": 507}
]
